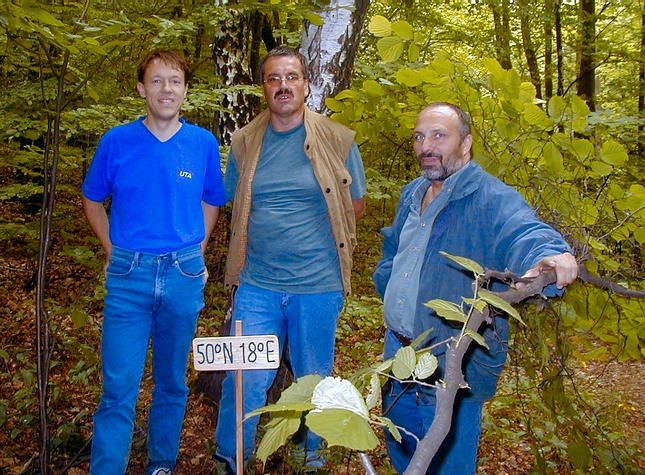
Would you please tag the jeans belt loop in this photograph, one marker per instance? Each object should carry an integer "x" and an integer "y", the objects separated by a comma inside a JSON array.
[{"x": 135, "y": 258}]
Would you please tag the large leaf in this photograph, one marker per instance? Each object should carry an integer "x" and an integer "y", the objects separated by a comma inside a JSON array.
[
  {"x": 374, "y": 394},
  {"x": 409, "y": 77},
  {"x": 379, "y": 26},
  {"x": 477, "y": 337},
  {"x": 344, "y": 428},
  {"x": 301, "y": 390},
  {"x": 278, "y": 431},
  {"x": 391, "y": 427},
  {"x": 426, "y": 366},
  {"x": 404, "y": 362},
  {"x": 338, "y": 393},
  {"x": 613, "y": 153},
  {"x": 289, "y": 406},
  {"x": 403, "y": 29},
  {"x": 447, "y": 310},
  {"x": 465, "y": 263},
  {"x": 372, "y": 88},
  {"x": 553, "y": 158},
  {"x": 390, "y": 48},
  {"x": 499, "y": 303}
]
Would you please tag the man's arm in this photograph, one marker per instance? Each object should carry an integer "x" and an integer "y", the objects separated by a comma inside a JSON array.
[
  {"x": 564, "y": 265},
  {"x": 211, "y": 213},
  {"x": 97, "y": 217},
  {"x": 359, "y": 208}
]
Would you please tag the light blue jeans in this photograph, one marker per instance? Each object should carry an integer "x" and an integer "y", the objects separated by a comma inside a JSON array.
[
  {"x": 148, "y": 297},
  {"x": 414, "y": 410},
  {"x": 308, "y": 322}
]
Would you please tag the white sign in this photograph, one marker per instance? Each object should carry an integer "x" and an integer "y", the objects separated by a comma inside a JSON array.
[{"x": 236, "y": 352}]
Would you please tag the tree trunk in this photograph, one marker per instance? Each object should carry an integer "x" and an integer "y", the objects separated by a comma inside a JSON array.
[
  {"x": 231, "y": 56},
  {"x": 502, "y": 32},
  {"x": 586, "y": 74},
  {"x": 529, "y": 50},
  {"x": 641, "y": 92},
  {"x": 558, "y": 47},
  {"x": 330, "y": 49},
  {"x": 548, "y": 48}
]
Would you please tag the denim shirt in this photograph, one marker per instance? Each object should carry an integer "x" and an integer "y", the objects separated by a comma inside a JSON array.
[{"x": 486, "y": 221}]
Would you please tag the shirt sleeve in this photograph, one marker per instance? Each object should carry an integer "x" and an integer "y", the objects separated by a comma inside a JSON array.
[
  {"x": 354, "y": 165},
  {"x": 97, "y": 185},
  {"x": 231, "y": 176},
  {"x": 214, "y": 193}
]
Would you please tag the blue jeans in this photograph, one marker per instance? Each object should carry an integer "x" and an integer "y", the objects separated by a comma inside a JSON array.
[
  {"x": 414, "y": 410},
  {"x": 148, "y": 296},
  {"x": 308, "y": 321}
]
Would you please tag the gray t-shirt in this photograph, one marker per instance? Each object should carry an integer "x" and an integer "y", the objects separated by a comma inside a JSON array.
[{"x": 290, "y": 243}]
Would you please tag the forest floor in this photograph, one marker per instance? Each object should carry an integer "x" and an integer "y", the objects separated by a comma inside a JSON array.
[{"x": 73, "y": 299}]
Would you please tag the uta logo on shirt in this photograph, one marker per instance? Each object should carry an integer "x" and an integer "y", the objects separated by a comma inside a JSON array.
[{"x": 185, "y": 174}]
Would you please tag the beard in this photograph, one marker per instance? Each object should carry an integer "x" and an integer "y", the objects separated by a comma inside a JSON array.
[{"x": 440, "y": 171}]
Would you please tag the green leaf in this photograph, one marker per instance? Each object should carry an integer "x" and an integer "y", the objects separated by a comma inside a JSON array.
[
  {"x": 374, "y": 394},
  {"x": 476, "y": 337},
  {"x": 465, "y": 263},
  {"x": 534, "y": 115},
  {"x": 286, "y": 407},
  {"x": 346, "y": 94},
  {"x": 4, "y": 354},
  {"x": 344, "y": 428},
  {"x": 404, "y": 362},
  {"x": 339, "y": 393},
  {"x": 403, "y": 29},
  {"x": 390, "y": 48},
  {"x": 556, "y": 107},
  {"x": 553, "y": 158},
  {"x": 38, "y": 14},
  {"x": 78, "y": 318},
  {"x": 413, "y": 52},
  {"x": 372, "y": 88},
  {"x": 426, "y": 366},
  {"x": 391, "y": 427},
  {"x": 448, "y": 310},
  {"x": 301, "y": 390},
  {"x": 278, "y": 431},
  {"x": 499, "y": 303},
  {"x": 613, "y": 153},
  {"x": 419, "y": 339},
  {"x": 580, "y": 455},
  {"x": 493, "y": 67},
  {"x": 313, "y": 18},
  {"x": 477, "y": 304},
  {"x": 379, "y": 26},
  {"x": 334, "y": 104},
  {"x": 601, "y": 168},
  {"x": 409, "y": 77}
]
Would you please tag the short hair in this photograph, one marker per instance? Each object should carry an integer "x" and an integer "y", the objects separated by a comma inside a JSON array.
[
  {"x": 464, "y": 119},
  {"x": 170, "y": 57},
  {"x": 284, "y": 51}
]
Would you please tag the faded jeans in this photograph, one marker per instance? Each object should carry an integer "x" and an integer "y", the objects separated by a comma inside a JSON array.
[
  {"x": 149, "y": 297},
  {"x": 308, "y": 322}
]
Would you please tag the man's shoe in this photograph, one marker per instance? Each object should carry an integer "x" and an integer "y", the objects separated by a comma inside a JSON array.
[{"x": 161, "y": 471}]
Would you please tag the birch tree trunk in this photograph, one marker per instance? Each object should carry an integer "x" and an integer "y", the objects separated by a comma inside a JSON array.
[{"x": 330, "y": 49}]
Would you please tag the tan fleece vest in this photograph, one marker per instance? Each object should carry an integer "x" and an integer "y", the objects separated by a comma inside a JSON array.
[{"x": 327, "y": 144}]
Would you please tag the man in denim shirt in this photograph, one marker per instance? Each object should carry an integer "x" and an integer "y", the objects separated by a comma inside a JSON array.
[
  {"x": 164, "y": 177},
  {"x": 458, "y": 208}
]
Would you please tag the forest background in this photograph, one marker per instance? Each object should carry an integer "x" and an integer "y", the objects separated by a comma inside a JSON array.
[{"x": 556, "y": 92}]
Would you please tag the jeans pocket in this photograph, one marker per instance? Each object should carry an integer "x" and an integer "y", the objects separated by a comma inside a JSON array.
[
  {"x": 193, "y": 266},
  {"x": 118, "y": 266}
]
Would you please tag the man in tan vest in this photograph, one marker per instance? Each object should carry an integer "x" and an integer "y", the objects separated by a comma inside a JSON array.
[{"x": 297, "y": 184}]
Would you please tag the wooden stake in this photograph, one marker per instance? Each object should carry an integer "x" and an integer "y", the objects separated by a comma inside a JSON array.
[{"x": 239, "y": 412}]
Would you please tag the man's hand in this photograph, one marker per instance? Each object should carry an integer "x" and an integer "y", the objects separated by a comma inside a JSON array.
[{"x": 564, "y": 265}]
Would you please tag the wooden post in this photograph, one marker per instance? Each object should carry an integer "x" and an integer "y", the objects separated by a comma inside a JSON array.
[{"x": 239, "y": 411}]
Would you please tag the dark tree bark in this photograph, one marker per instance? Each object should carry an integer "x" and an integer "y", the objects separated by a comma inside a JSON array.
[
  {"x": 529, "y": 49},
  {"x": 641, "y": 91},
  {"x": 548, "y": 48},
  {"x": 587, "y": 45},
  {"x": 502, "y": 32},
  {"x": 558, "y": 46}
]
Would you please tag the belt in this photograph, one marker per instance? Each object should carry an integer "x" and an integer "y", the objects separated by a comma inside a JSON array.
[{"x": 404, "y": 340}]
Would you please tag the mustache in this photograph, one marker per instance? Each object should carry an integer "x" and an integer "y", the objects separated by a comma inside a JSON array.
[
  {"x": 431, "y": 155},
  {"x": 282, "y": 91}
]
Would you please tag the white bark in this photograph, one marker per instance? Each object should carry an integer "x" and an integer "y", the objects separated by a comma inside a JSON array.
[{"x": 330, "y": 49}]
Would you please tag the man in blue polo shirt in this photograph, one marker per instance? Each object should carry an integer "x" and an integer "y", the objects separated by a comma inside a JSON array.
[{"x": 164, "y": 178}]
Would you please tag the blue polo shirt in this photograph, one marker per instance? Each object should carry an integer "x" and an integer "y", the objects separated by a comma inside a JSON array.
[{"x": 156, "y": 187}]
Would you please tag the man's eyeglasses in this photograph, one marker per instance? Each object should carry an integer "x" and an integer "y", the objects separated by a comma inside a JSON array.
[{"x": 276, "y": 81}]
